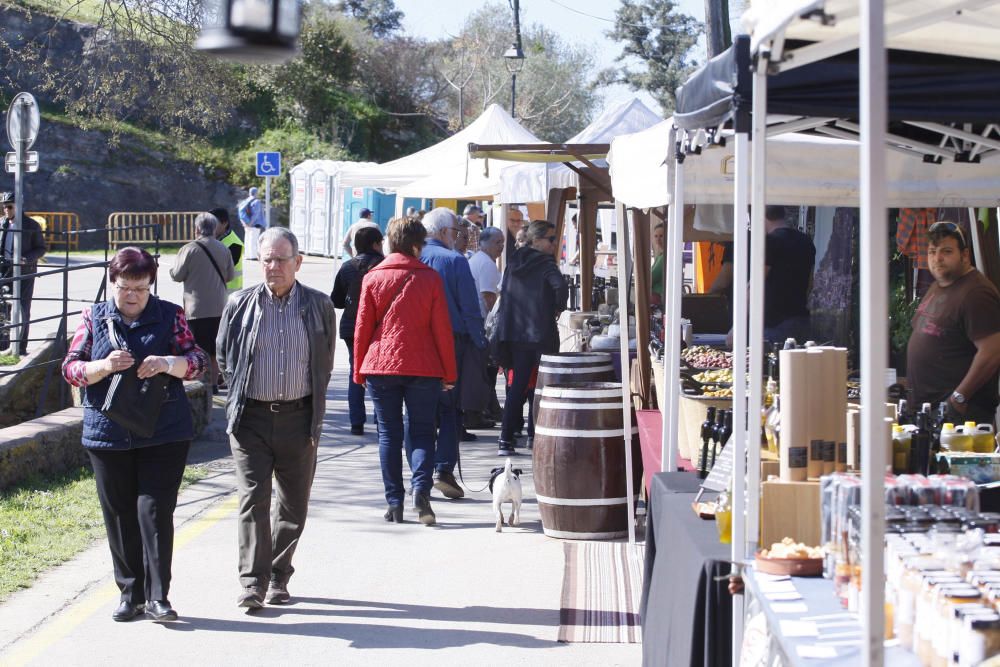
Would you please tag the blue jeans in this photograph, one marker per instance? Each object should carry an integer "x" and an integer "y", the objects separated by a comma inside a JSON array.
[
  {"x": 420, "y": 396},
  {"x": 355, "y": 392}
]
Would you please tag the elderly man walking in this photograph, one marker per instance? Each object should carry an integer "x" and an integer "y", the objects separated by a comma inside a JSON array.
[
  {"x": 204, "y": 266},
  {"x": 467, "y": 325},
  {"x": 275, "y": 347}
]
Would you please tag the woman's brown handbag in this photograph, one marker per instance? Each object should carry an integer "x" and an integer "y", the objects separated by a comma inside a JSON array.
[{"x": 132, "y": 402}]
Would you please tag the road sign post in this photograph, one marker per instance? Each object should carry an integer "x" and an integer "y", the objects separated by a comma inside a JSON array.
[
  {"x": 23, "y": 119},
  {"x": 268, "y": 166}
]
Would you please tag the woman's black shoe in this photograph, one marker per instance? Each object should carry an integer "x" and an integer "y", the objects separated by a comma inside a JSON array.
[
  {"x": 160, "y": 611},
  {"x": 422, "y": 503},
  {"x": 394, "y": 514},
  {"x": 126, "y": 611}
]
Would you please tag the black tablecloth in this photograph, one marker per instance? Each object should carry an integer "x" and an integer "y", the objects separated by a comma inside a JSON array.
[{"x": 686, "y": 614}]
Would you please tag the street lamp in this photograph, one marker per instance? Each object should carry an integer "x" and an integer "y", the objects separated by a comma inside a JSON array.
[
  {"x": 513, "y": 58},
  {"x": 250, "y": 31}
]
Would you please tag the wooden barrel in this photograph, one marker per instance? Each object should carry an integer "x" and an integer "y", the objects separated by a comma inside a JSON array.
[
  {"x": 572, "y": 367},
  {"x": 579, "y": 461}
]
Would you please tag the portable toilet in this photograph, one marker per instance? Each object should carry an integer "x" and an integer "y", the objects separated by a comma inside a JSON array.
[
  {"x": 319, "y": 233},
  {"x": 381, "y": 204},
  {"x": 418, "y": 204},
  {"x": 298, "y": 218}
]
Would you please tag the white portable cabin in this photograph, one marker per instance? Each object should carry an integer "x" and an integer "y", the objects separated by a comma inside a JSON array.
[{"x": 316, "y": 217}]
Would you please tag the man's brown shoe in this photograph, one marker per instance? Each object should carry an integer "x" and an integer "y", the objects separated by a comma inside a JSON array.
[
  {"x": 278, "y": 594},
  {"x": 251, "y": 598}
]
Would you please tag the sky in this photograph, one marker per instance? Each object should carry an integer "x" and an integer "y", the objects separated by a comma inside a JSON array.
[{"x": 435, "y": 18}]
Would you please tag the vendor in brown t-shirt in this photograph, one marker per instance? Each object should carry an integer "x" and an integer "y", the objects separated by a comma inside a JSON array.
[{"x": 954, "y": 350}]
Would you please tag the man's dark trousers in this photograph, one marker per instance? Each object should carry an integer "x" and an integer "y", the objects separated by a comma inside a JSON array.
[
  {"x": 266, "y": 443},
  {"x": 450, "y": 420}
]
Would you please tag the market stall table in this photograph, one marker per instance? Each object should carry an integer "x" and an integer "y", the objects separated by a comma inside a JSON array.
[
  {"x": 839, "y": 639},
  {"x": 686, "y": 612}
]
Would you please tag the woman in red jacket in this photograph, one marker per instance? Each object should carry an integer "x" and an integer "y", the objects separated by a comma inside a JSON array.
[{"x": 404, "y": 350}]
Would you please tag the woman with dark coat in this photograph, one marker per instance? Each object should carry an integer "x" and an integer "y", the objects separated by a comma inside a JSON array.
[
  {"x": 404, "y": 351},
  {"x": 137, "y": 478},
  {"x": 532, "y": 295}
]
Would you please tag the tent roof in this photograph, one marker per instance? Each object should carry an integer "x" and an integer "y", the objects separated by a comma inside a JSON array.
[
  {"x": 444, "y": 170},
  {"x": 532, "y": 182},
  {"x": 801, "y": 169},
  {"x": 965, "y": 29}
]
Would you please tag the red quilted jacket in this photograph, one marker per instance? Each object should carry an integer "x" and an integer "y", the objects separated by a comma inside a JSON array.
[{"x": 403, "y": 326}]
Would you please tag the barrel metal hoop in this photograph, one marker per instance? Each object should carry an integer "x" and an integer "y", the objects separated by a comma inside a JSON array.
[
  {"x": 575, "y": 370},
  {"x": 579, "y": 502},
  {"x": 571, "y": 535},
  {"x": 581, "y": 406},
  {"x": 555, "y": 391},
  {"x": 579, "y": 432}
]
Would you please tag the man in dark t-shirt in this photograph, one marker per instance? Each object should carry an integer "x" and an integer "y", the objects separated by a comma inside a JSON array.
[
  {"x": 954, "y": 350},
  {"x": 789, "y": 259}
]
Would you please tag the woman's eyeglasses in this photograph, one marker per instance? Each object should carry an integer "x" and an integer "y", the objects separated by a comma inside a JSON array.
[{"x": 137, "y": 291}]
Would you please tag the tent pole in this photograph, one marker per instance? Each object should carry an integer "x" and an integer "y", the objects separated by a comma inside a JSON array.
[
  {"x": 758, "y": 242},
  {"x": 672, "y": 312},
  {"x": 623, "y": 279},
  {"x": 872, "y": 63},
  {"x": 741, "y": 431},
  {"x": 977, "y": 250}
]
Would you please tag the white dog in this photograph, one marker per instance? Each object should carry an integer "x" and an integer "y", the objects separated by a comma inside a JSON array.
[{"x": 505, "y": 484}]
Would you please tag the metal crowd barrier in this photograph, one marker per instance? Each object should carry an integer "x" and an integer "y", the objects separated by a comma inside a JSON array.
[
  {"x": 58, "y": 229},
  {"x": 167, "y": 227}
]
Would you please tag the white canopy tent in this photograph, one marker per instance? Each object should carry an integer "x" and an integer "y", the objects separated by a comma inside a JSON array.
[
  {"x": 445, "y": 170},
  {"x": 531, "y": 182},
  {"x": 963, "y": 119}
]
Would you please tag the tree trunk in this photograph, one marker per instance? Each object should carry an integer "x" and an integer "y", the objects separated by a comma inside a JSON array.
[{"x": 717, "y": 33}]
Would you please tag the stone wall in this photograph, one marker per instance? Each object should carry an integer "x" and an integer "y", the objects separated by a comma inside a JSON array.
[
  {"x": 80, "y": 171},
  {"x": 51, "y": 444},
  {"x": 37, "y": 388}
]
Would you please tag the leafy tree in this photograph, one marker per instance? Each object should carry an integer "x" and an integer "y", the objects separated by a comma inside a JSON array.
[
  {"x": 660, "y": 38},
  {"x": 554, "y": 96},
  {"x": 135, "y": 64},
  {"x": 380, "y": 16}
]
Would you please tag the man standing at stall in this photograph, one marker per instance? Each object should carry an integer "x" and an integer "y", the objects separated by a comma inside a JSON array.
[{"x": 954, "y": 351}]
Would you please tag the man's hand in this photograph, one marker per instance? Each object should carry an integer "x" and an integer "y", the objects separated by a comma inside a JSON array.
[{"x": 958, "y": 408}]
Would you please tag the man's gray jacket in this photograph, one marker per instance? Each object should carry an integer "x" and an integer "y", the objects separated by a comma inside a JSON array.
[{"x": 237, "y": 340}]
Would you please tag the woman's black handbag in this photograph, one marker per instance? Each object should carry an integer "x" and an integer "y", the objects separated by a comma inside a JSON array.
[{"x": 132, "y": 402}]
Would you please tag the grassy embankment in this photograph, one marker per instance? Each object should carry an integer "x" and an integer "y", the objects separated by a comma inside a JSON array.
[{"x": 46, "y": 521}]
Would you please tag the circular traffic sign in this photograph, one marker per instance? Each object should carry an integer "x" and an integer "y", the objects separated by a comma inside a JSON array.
[{"x": 22, "y": 121}]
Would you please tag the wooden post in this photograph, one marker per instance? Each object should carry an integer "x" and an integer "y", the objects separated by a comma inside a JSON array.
[{"x": 643, "y": 289}]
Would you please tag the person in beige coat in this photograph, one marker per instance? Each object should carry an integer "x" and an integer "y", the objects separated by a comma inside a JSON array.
[{"x": 204, "y": 265}]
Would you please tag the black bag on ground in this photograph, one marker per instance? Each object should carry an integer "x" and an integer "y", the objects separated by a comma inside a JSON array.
[{"x": 132, "y": 402}]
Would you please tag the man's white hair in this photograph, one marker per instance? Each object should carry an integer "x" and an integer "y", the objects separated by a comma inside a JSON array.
[{"x": 439, "y": 219}]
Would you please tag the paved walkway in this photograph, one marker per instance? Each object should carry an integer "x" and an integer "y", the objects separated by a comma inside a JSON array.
[{"x": 365, "y": 592}]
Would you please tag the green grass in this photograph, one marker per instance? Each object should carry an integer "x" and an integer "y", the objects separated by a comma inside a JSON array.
[
  {"x": 9, "y": 359},
  {"x": 48, "y": 520}
]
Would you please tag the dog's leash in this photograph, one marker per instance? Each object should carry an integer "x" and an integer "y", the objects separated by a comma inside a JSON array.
[{"x": 496, "y": 472}]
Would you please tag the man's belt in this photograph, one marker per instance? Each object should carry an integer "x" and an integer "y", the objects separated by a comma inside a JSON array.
[{"x": 280, "y": 406}]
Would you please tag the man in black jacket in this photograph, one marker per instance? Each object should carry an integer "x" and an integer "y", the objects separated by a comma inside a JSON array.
[
  {"x": 346, "y": 294},
  {"x": 32, "y": 249},
  {"x": 531, "y": 298}
]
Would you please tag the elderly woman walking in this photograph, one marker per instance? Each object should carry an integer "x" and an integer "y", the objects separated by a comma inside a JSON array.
[
  {"x": 531, "y": 297},
  {"x": 404, "y": 351},
  {"x": 137, "y": 476}
]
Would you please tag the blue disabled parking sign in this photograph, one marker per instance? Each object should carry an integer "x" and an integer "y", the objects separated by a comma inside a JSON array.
[{"x": 268, "y": 164}]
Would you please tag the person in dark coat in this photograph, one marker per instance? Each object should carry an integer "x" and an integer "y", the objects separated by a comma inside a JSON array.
[
  {"x": 531, "y": 297},
  {"x": 33, "y": 248},
  {"x": 346, "y": 294}
]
